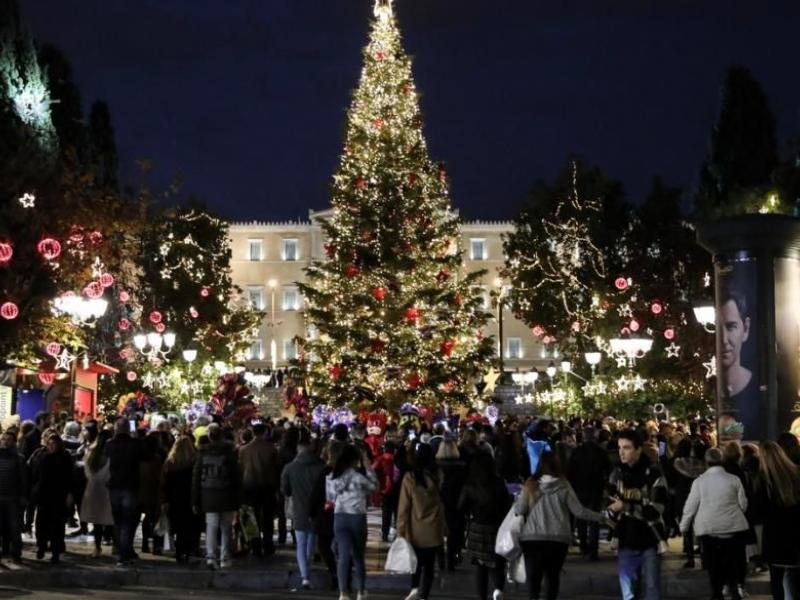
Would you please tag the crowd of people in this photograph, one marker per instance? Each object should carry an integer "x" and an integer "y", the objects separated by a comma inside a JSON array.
[{"x": 447, "y": 493}]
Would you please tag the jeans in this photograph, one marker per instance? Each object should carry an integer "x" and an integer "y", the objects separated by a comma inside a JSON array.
[
  {"x": 216, "y": 522},
  {"x": 725, "y": 560},
  {"x": 350, "y": 532},
  {"x": 638, "y": 565},
  {"x": 784, "y": 582},
  {"x": 11, "y": 526},
  {"x": 422, "y": 579},
  {"x": 544, "y": 559},
  {"x": 125, "y": 510},
  {"x": 306, "y": 540}
]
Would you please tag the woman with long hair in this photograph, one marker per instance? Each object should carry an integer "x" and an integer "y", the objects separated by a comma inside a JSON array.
[
  {"x": 349, "y": 487},
  {"x": 484, "y": 502},
  {"x": 546, "y": 501},
  {"x": 96, "y": 505},
  {"x": 781, "y": 500},
  {"x": 454, "y": 473},
  {"x": 176, "y": 497},
  {"x": 420, "y": 518}
]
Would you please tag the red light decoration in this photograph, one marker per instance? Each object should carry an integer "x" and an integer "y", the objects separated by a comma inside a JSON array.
[
  {"x": 106, "y": 280},
  {"x": 47, "y": 378},
  {"x": 335, "y": 371},
  {"x": 123, "y": 324},
  {"x": 626, "y": 331},
  {"x": 124, "y": 296},
  {"x": 669, "y": 333},
  {"x": 412, "y": 315},
  {"x": 96, "y": 238},
  {"x": 548, "y": 339},
  {"x": 155, "y": 317},
  {"x": 656, "y": 308},
  {"x": 9, "y": 311},
  {"x": 160, "y": 327},
  {"x": 125, "y": 354},
  {"x": 621, "y": 283},
  {"x": 413, "y": 381},
  {"x": 131, "y": 376},
  {"x": 193, "y": 312},
  {"x": 6, "y": 252},
  {"x": 537, "y": 330},
  {"x": 360, "y": 183},
  {"x": 380, "y": 55},
  {"x": 53, "y": 349},
  {"x": 379, "y": 293},
  {"x": 49, "y": 248},
  {"x": 351, "y": 271},
  {"x": 446, "y": 348},
  {"x": 576, "y": 326},
  {"x": 204, "y": 292},
  {"x": 634, "y": 325},
  {"x": 378, "y": 123},
  {"x": 93, "y": 290}
]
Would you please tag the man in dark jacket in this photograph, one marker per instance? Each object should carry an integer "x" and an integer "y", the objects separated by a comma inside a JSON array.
[
  {"x": 33, "y": 440},
  {"x": 215, "y": 492},
  {"x": 13, "y": 487},
  {"x": 298, "y": 480},
  {"x": 640, "y": 498},
  {"x": 588, "y": 471},
  {"x": 124, "y": 454},
  {"x": 259, "y": 472}
]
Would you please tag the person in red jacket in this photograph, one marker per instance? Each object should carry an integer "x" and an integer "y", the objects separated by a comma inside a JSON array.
[{"x": 383, "y": 465}]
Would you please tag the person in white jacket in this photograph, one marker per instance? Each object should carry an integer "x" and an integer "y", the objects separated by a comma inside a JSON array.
[{"x": 716, "y": 506}]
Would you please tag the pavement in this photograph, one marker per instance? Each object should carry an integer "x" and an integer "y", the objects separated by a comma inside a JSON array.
[{"x": 278, "y": 574}]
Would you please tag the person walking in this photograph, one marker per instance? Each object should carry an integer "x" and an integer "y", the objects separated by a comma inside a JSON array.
[
  {"x": 687, "y": 466},
  {"x": 716, "y": 506},
  {"x": 454, "y": 474},
  {"x": 349, "y": 487},
  {"x": 52, "y": 482},
  {"x": 420, "y": 518},
  {"x": 297, "y": 483},
  {"x": 215, "y": 493},
  {"x": 176, "y": 497},
  {"x": 484, "y": 502},
  {"x": 96, "y": 504},
  {"x": 641, "y": 496},
  {"x": 546, "y": 502},
  {"x": 124, "y": 454},
  {"x": 13, "y": 492},
  {"x": 780, "y": 497},
  {"x": 259, "y": 471},
  {"x": 149, "y": 487}
]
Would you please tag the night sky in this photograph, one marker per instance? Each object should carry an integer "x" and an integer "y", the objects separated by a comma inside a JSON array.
[{"x": 246, "y": 99}]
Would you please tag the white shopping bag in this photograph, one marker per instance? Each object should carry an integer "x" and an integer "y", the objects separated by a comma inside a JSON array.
[
  {"x": 516, "y": 570},
  {"x": 401, "y": 557},
  {"x": 507, "y": 544}
]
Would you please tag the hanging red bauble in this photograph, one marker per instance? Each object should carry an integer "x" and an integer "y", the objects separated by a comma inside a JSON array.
[
  {"x": 47, "y": 378},
  {"x": 377, "y": 345},
  {"x": 413, "y": 381},
  {"x": 379, "y": 294},
  {"x": 412, "y": 314},
  {"x": 330, "y": 251},
  {"x": 352, "y": 253},
  {"x": 49, "y": 248},
  {"x": 351, "y": 271},
  {"x": 442, "y": 276},
  {"x": 656, "y": 308},
  {"x": 548, "y": 339},
  {"x": 124, "y": 296},
  {"x": 76, "y": 234},
  {"x": 9, "y": 311},
  {"x": 125, "y": 354},
  {"x": 412, "y": 179},
  {"x": 380, "y": 55},
  {"x": 93, "y": 290},
  {"x": 405, "y": 88},
  {"x": 6, "y": 252},
  {"x": 377, "y": 123},
  {"x": 106, "y": 280},
  {"x": 204, "y": 292},
  {"x": 53, "y": 349},
  {"x": 335, "y": 372},
  {"x": 193, "y": 312},
  {"x": 621, "y": 283},
  {"x": 160, "y": 327},
  {"x": 123, "y": 324},
  {"x": 458, "y": 299},
  {"x": 155, "y": 317},
  {"x": 634, "y": 325},
  {"x": 96, "y": 238},
  {"x": 669, "y": 333},
  {"x": 360, "y": 183},
  {"x": 446, "y": 347},
  {"x": 537, "y": 330},
  {"x": 131, "y": 376},
  {"x": 625, "y": 331}
]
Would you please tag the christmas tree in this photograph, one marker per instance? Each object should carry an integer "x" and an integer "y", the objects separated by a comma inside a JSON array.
[{"x": 390, "y": 310}]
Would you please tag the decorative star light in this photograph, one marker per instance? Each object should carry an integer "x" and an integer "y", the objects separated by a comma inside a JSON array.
[
  {"x": 622, "y": 362},
  {"x": 519, "y": 399},
  {"x": 27, "y": 200},
  {"x": 97, "y": 267},
  {"x": 589, "y": 389},
  {"x": 490, "y": 379},
  {"x": 601, "y": 387},
  {"x": 638, "y": 383},
  {"x": 625, "y": 311},
  {"x": 64, "y": 360},
  {"x": 711, "y": 367},
  {"x": 672, "y": 350},
  {"x": 706, "y": 280},
  {"x": 622, "y": 383}
]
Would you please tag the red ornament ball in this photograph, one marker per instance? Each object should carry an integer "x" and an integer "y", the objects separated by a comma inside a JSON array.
[
  {"x": 193, "y": 312},
  {"x": 380, "y": 55},
  {"x": 377, "y": 345},
  {"x": 360, "y": 183},
  {"x": 125, "y": 354},
  {"x": 124, "y": 296},
  {"x": 351, "y": 271},
  {"x": 335, "y": 372},
  {"x": 160, "y": 327},
  {"x": 123, "y": 324},
  {"x": 548, "y": 339},
  {"x": 106, "y": 280},
  {"x": 442, "y": 276},
  {"x": 9, "y": 311},
  {"x": 377, "y": 123},
  {"x": 47, "y": 378},
  {"x": 621, "y": 283},
  {"x": 96, "y": 238},
  {"x": 93, "y": 290},
  {"x": 656, "y": 308},
  {"x": 49, "y": 248},
  {"x": 6, "y": 252},
  {"x": 413, "y": 381},
  {"x": 537, "y": 330},
  {"x": 669, "y": 333},
  {"x": 53, "y": 349},
  {"x": 412, "y": 315},
  {"x": 330, "y": 251},
  {"x": 204, "y": 292},
  {"x": 379, "y": 294},
  {"x": 155, "y": 317},
  {"x": 446, "y": 348},
  {"x": 412, "y": 179},
  {"x": 634, "y": 325},
  {"x": 131, "y": 376}
]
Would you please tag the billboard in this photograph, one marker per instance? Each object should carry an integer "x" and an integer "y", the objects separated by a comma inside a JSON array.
[{"x": 787, "y": 343}]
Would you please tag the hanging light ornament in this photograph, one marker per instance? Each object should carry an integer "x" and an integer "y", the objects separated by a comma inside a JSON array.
[
  {"x": 93, "y": 290},
  {"x": 53, "y": 349},
  {"x": 49, "y": 248},
  {"x": 6, "y": 252},
  {"x": 124, "y": 296},
  {"x": 47, "y": 378},
  {"x": 155, "y": 317},
  {"x": 106, "y": 280},
  {"x": 9, "y": 311}
]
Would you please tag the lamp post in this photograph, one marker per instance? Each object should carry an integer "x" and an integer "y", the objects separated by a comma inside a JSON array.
[
  {"x": 551, "y": 373},
  {"x": 154, "y": 345},
  {"x": 501, "y": 292},
  {"x": 273, "y": 346}
]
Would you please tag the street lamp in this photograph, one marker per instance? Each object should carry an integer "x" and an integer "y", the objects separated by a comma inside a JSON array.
[
  {"x": 593, "y": 358},
  {"x": 273, "y": 346},
  {"x": 154, "y": 345},
  {"x": 706, "y": 314},
  {"x": 501, "y": 293},
  {"x": 631, "y": 348},
  {"x": 79, "y": 309},
  {"x": 190, "y": 355},
  {"x": 551, "y": 373}
]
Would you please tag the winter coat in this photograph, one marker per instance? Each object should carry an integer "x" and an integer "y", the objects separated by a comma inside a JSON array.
[
  {"x": 685, "y": 471},
  {"x": 548, "y": 518},
  {"x": 215, "y": 480},
  {"x": 297, "y": 482},
  {"x": 13, "y": 476},
  {"x": 780, "y": 544},
  {"x": 485, "y": 506},
  {"x": 52, "y": 479},
  {"x": 587, "y": 472},
  {"x": 349, "y": 492},
  {"x": 124, "y": 454},
  {"x": 259, "y": 465},
  {"x": 420, "y": 513},
  {"x": 643, "y": 491},
  {"x": 454, "y": 474},
  {"x": 716, "y": 504},
  {"x": 150, "y": 480},
  {"x": 96, "y": 503}
]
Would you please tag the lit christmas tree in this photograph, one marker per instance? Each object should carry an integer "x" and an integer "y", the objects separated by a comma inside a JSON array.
[{"x": 390, "y": 309}]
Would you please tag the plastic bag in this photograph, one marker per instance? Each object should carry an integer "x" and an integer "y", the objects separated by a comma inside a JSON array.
[
  {"x": 507, "y": 544},
  {"x": 162, "y": 526},
  {"x": 401, "y": 557},
  {"x": 516, "y": 569},
  {"x": 248, "y": 523}
]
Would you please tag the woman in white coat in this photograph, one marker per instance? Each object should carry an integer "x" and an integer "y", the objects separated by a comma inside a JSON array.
[{"x": 96, "y": 504}]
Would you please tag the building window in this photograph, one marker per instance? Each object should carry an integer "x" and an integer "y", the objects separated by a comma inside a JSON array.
[
  {"x": 514, "y": 348},
  {"x": 256, "y": 351},
  {"x": 289, "y": 349},
  {"x": 291, "y": 298},
  {"x": 255, "y": 249},
  {"x": 486, "y": 299},
  {"x": 289, "y": 251},
  {"x": 477, "y": 249},
  {"x": 256, "y": 297}
]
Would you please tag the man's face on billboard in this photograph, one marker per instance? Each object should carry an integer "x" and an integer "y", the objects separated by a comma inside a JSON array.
[{"x": 734, "y": 333}]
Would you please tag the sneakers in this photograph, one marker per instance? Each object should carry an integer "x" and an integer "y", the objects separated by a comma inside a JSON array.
[
  {"x": 211, "y": 564},
  {"x": 306, "y": 584},
  {"x": 362, "y": 595},
  {"x": 413, "y": 594},
  {"x": 225, "y": 563},
  {"x": 498, "y": 595}
]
